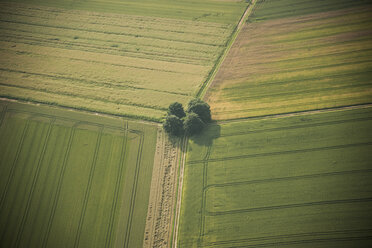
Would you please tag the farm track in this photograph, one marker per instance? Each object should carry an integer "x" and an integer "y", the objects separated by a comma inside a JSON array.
[{"x": 163, "y": 207}]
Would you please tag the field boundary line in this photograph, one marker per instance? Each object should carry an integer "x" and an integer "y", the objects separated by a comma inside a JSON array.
[
  {"x": 14, "y": 164},
  {"x": 300, "y": 235},
  {"x": 34, "y": 181},
  {"x": 283, "y": 152},
  {"x": 296, "y": 113},
  {"x": 287, "y": 178},
  {"x": 117, "y": 185},
  {"x": 88, "y": 189},
  {"x": 177, "y": 213},
  {"x": 294, "y": 205},
  {"x": 59, "y": 184},
  {"x": 134, "y": 190},
  {"x": 208, "y": 82}
]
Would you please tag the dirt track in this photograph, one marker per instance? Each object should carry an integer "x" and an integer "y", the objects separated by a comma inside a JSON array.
[{"x": 163, "y": 193}]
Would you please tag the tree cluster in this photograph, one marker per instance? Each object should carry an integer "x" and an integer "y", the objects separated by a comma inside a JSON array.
[{"x": 191, "y": 122}]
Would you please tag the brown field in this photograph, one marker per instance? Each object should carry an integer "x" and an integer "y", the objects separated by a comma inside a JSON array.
[{"x": 282, "y": 65}]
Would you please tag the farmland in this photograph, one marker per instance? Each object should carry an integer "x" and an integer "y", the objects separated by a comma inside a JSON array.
[
  {"x": 126, "y": 59},
  {"x": 296, "y": 56},
  {"x": 298, "y": 181},
  {"x": 71, "y": 179}
]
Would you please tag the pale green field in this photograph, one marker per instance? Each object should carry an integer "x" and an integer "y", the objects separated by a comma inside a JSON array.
[
  {"x": 296, "y": 56},
  {"x": 300, "y": 181},
  {"x": 116, "y": 60},
  {"x": 69, "y": 179}
]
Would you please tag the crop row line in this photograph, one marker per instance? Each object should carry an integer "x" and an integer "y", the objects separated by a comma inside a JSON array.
[
  {"x": 306, "y": 241},
  {"x": 204, "y": 196},
  {"x": 74, "y": 120},
  {"x": 90, "y": 82},
  {"x": 117, "y": 186},
  {"x": 312, "y": 79},
  {"x": 3, "y": 113},
  {"x": 134, "y": 191},
  {"x": 307, "y": 91},
  {"x": 310, "y": 57},
  {"x": 98, "y": 99},
  {"x": 180, "y": 31},
  {"x": 284, "y": 152},
  {"x": 203, "y": 54},
  {"x": 88, "y": 189},
  {"x": 109, "y": 32},
  {"x": 319, "y": 124},
  {"x": 113, "y": 50},
  {"x": 55, "y": 43},
  {"x": 14, "y": 164},
  {"x": 59, "y": 186},
  {"x": 34, "y": 181},
  {"x": 295, "y": 235},
  {"x": 107, "y": 63},
  {"x": 295, "y": 205},
  {"x": 321, "y": 7},
  {"x": 278, "y": 179}
]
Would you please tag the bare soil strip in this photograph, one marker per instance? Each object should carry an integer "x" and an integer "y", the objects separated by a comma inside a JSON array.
[{"x": 163, "y": 193}]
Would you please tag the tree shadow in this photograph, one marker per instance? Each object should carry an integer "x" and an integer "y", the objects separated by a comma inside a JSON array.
[{"x": 206, "y": 137}]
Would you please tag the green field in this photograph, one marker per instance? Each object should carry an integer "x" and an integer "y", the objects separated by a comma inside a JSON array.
[
  {"x": 299, "y": 181},
  {"x": 119, "y": 57},
  {"x": 71, "y": 179},
  {"x": 295, "y": 56}
]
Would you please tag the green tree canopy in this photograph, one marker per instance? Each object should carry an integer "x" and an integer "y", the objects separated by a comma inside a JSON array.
[
  {"x": 173, "y": 125},
  {"x": 193, "y": 124},
  {"x": 201, "y": 108},
  {"x": 176, "y": 109}
]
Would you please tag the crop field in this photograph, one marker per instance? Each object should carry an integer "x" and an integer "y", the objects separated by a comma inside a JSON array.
[
  {"x": 295, "y": 56},
  {"x": 299, "y": 181},
  {"x": 126, "y": 59},
  {"x": 70, "y": 179}
]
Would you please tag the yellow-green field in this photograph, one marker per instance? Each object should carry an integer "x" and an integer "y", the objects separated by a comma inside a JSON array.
[
  {"x": 294, "y": 56},
  {"x": 300, "y": 181},
  {"x": 70, "y": 179},
  {"x": 124, "y": 63}
]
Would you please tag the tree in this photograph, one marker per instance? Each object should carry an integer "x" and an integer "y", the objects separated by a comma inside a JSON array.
[
  {"x": 193, "y": 124},
  {"x": 176, "y": 109},
  {"x": 173, "y": 125},
  {"x": 201, "y": 108}
]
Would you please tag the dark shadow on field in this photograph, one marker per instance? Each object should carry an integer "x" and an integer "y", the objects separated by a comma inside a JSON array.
[{"x": 206, "y": 137}]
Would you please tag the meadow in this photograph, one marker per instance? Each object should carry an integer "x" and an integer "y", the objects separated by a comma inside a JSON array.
[
  {"x": 298, "y": 181},
  {"x": 119, "y": 57},
  {"x": 295, "y": 56},
  {"x": 71, "y": 179}
]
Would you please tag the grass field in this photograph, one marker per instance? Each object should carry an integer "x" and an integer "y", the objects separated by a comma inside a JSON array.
[
  {"x": 126, "y": 58},
  {"x": 71, "y": 179},
  {"x": 299, "y": 181},
  {"x": 296, "y": 55}
]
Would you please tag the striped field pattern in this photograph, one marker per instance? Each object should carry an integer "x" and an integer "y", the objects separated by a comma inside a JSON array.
[
  {"x": 295, "y": 56},
  {"x": 70, "y": 180}
]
